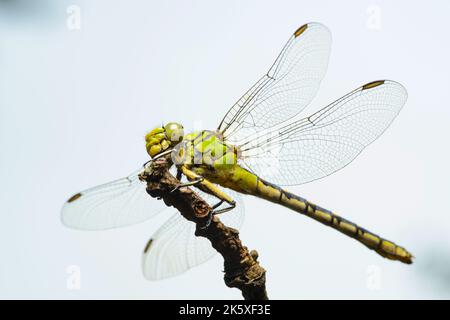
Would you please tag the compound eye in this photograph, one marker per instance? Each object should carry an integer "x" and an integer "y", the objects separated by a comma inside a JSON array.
[{"x": 174, "y": 132}]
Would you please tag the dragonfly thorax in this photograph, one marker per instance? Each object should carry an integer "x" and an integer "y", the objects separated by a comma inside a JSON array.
[{"x": 162, "y": 138}]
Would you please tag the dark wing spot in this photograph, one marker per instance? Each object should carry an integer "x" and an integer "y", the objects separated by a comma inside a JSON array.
[
  {"x": 373, "y": 84},
  {"x": 147, "y": 246},
  {"x": 74, "y": 197},
  {"x": 300, "y": 30}
]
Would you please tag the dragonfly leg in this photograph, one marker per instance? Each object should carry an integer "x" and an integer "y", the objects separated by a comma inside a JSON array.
[
  {"x": 220, "y": 211},
  {"x": 162, "y": 154},
  {"x": 188, "y": 184},
  {"x": 207, "y": 186},
  {"x": 213, "y": 190},
  {"x": 179, "y": 174},
  {"x": 218, "y": 204}
]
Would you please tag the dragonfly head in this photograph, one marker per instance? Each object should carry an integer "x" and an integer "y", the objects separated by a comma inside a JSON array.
[{"x": 162, "y": 138}]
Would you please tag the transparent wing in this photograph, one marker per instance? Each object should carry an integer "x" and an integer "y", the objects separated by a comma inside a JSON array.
[
  {"x": 329, "y": 139},
  {"x": 288, "y": 87},
  {"x": 118, "y": 203},
  {"x": 174, "y": 248}
]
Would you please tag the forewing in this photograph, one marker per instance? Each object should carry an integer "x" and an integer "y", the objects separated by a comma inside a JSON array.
[
  {"x": 329, "y": 139},
  {"x": 116, "y": 204},
  {"x": 174, "y": 248},
  {"x": 286, "y": 89}
]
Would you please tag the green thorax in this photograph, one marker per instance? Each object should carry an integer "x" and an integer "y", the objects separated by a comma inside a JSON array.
[
  {"x": 206, "y": 148},
  {"x": 208, "y": 155}
]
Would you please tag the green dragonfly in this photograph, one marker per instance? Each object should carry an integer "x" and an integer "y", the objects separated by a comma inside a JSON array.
[{"x": 260, "y": 139}]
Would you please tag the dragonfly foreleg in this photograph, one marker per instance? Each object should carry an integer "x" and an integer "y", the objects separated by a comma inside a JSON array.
[{"x": 162, "y": 154}]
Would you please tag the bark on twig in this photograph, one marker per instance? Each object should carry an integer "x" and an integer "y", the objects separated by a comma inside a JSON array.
[{"x": 241, "y": 267}]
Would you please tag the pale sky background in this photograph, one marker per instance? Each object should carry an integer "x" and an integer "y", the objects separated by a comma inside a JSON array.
[{"x": 76, "y": 104}]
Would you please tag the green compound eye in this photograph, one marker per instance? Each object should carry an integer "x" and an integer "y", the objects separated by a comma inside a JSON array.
[{"x": 174, "y": 132}]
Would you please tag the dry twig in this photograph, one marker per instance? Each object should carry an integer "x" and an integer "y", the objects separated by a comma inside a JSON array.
[{"x": 242, "y": 270}]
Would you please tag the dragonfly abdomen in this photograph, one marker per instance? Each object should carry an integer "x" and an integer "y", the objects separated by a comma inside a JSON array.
[{"x": 385, "y": 248}]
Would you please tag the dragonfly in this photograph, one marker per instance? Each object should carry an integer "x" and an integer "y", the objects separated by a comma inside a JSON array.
[{"x": 261, "y": 146}]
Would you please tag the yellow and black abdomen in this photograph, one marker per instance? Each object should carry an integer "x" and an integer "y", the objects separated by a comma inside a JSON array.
[{"x": 245, "y": 181}]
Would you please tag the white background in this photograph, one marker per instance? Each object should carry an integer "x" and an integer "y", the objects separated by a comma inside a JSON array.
[{"x": 76, "y": 104}]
